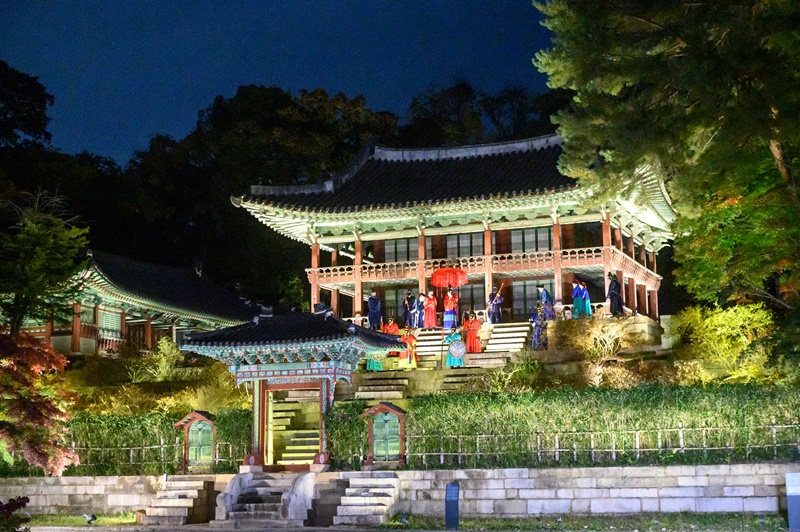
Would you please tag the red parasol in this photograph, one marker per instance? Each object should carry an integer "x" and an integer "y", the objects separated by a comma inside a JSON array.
[{"x": 447, "y": 277}]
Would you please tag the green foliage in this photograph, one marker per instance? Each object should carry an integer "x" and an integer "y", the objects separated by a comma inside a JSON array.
[
  {"x": 729, "y": 343},
  {"x": 295, "y": 295},
  {"x": 23, "y": 107},
  {"x": 347, "y": 434},
  {"x": 74, "y": 521},
  {"x": 214, "y": 392},
  {"x": 522, "y": 375},
  {"x": 597, "y": 339},
  {"x": 39, "y": 260},
  {"x": 706, "y": 96},
  {"x": 236, "y": 428},
  {"x": 161, "y": 363}
]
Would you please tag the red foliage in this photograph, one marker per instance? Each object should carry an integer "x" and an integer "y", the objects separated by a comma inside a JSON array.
[{"x": 32, "y": 409}]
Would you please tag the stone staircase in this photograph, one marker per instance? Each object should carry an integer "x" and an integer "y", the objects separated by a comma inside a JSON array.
[
  {"x": 259, "y": 504},
  {"x": 429, "y": 348},
  {"x": 300, "y": 448},
  {"x": 381, "y": 386},
  {"x": 181, "y": 500},
  {"x": 457, "y": 377},
  {"x": 369, "y": 499},
  {"x": 508, "y": 337},
  {"x": 302, "y": 396}
]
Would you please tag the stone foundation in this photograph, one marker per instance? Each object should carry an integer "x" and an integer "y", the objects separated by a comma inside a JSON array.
[{"x": 756, "y": 488}]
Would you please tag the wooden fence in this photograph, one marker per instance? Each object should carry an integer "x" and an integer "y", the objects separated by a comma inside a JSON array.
[{"x": 669, "y": 445}]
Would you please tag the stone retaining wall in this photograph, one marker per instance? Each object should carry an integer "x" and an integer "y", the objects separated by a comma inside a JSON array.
[
  {"x": 599, "y": 490},
  {"x": 78, "y": 495}
]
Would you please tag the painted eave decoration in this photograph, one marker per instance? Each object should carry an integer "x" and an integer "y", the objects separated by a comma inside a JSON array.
[{"x": 292, "y": 338}]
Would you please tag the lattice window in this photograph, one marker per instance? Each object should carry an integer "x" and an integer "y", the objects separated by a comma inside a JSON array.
[
  {"x": 531, "y": 239},
  {"x": 110, "y": 324}
]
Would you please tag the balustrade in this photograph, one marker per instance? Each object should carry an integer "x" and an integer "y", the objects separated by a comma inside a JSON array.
[
  {"x": 581, "y": 257},
  {"x": 470, "y": 265},
  {"x": 389, "y": 270},
  {"x": 526, "y": 261}
]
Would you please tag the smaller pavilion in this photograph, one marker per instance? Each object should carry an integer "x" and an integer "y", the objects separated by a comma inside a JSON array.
[{"x": 294, "y": 352}]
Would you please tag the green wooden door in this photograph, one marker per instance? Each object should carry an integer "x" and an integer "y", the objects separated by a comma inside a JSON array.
[
  {"x": 201, "y": 444},
  {"x": 386, "y": 437}
]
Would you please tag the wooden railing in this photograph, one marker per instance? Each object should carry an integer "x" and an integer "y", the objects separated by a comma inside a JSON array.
[
  {"x": 527, "y": 262},
  {"x": 515, "y": 262}
]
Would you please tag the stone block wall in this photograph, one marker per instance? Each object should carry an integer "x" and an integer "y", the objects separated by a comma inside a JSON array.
[
  {"x": 78, "y": 495},
  {"x": 757, "y": 488}
]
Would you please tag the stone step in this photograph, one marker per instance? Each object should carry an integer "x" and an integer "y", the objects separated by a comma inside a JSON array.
[
  {"x": 172, "y": 503},
  {"x": 274, "y": 476},
  {"x": 363, "y": 509},
  {"x": 304, "y": 455},
  {"x": 374, "y": 491},
  {"x": 258, "y": 507},
  {"x": 381, "y": 388},
  {"x": 304, "y": 433},
  {"x": 304, "y": 447},
  {"x": 296, "y": 462},
  {"x": 377, "y": 499},
  {"x": 378, "y": 482},
  {"x": 281, "y": 421},
  {"x": 254, "y": 498},
  {"x": 503, "y": 328},
  {"x": 368, "y": 394},
  {"x": 163, "y": 520},
  {"x": 385, "y": 381},
  {"x": 168, "y": 512},
  {"x": 179, "y": 494},
  {"x": 360, "y": 520},
  {"x": 246, "y": 516},
  {"x": 184, "y": 485},
  {"x": 272, "y": 484}
]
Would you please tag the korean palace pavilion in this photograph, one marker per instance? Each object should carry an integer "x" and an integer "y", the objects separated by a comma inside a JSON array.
[
  {"x": 500, "y": 212},
  {"x": 138, "y": 302}
]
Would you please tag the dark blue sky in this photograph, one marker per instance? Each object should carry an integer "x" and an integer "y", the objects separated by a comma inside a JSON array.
[{"x": 123, "y": 71}]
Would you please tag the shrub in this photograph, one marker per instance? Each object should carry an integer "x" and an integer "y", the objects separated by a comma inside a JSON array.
[
  {"x": 731, "y": 344},
  {"x": 347, "y": 434},
  {"x": 10, "y": 518},
  {"x": 164, "y": 360}
]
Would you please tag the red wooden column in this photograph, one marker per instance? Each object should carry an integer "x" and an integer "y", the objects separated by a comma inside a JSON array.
[
  {"x": 487, "y": 258},
  {"x": 96, "y": 335},
  {"x": 148, "y": 333},
  {"x": 358, "y": 259},
  {"x": 421, "y": 284},
  {"x": 335, "y": 291},
  {"x": 313, "y": 277},
  {"x": 641, "y": 299},
  {"x": 653, "y": 264},
  {"x": 606, "y": 254},
  {"x": 75, "y": 344},
  {"x": 631, "y": 302},
  {"x": 643, "y": 255},
  {"x": 123, "y": 326},
  {"x": 618, "y": 238},
  {"x": 653, "y": 303},
  {"x": 48, "y": 328},
  {"x": 629, "y": 247},
  {"x": 558, "y": 280}
]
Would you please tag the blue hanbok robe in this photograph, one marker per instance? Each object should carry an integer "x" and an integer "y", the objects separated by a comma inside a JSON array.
[
  {"x": 493, "y": 306},
  {"x": 409, "y": 305},
  {"x": 452, "y": 361},
  {"x": 587, "y": 302},
  {"x": 374, "y": 312},
  {"x": 548, "y": 311},
  {"x": 577, "y": 302},
  {"x": 615, "y": 297},
  {"x": 420, "y": 313},
  {"x": 539, "y": 338}
]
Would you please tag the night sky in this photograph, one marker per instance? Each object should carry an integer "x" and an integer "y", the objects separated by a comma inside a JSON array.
[{"x": 123, "y": 71}]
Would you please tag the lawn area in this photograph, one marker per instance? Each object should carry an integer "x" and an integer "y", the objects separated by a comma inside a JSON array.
[
  {"x": 683, "y": 522},
  {"x": 125, "y": 518}
]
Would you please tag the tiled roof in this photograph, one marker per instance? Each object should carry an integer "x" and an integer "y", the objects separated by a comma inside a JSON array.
[
  {"x": 403, "y": 178},
  {"x": 175, "y": 288},
  {"x": 293, "y": 329}
]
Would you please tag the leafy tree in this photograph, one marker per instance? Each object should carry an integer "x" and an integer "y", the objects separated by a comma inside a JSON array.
[
  {"x": 32, "y": 407},
  {"x": 23, "y": 107},
  {"x": 39, "y": 260},
  {"x": 446, "y": 117},
  {"x": 295, "y": 295},
  {"x": 725, "y": 343},
  {"x": 703, "y": 93}
]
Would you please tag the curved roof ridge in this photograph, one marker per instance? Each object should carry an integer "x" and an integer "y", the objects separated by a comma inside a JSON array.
[{"x": 459, "y": 152}]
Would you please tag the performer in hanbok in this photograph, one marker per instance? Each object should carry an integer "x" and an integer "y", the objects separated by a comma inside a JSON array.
[
  {"x": 408, "y": 359},
  {"x": 548, "y": 311},
  {"x": 577, "y": 300},
  {"x": 374, "y": 365},
  {"x": 409, "y": 303},
  {"x": 450, "y": 310},
  {"x": 615, "y": 295},
  {"x": 452, "y": 361},
  {"x": 587, "y": 301},
  {"x": 374, "y": 313},
  {"x": 472, "y": 326},
  {"x": 493, "y": 306},
  {"x": 419, "y": 312},
  {"x": 430, "y": 311},
  {"x": 539, "y": 338},
  {"x": 391, "y": 327}
]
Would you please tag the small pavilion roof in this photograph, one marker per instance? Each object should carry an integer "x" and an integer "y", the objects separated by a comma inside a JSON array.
[
  {"x": 180, "y": 292},
  {"x": 292, "y": 330},
  {"x": 387, "y": 178}
]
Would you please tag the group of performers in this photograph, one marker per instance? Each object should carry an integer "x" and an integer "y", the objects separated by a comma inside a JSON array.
[
  {"x": 544, "y": 313},
  {"x": 581, "y": 303},
  {"x": 420, "y": 311}
]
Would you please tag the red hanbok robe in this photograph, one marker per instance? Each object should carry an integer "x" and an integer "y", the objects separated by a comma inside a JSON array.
[
  {"x": 408, "y": 359},
  {"x": 472, "y": 326},
  {"x": 392, "y": 328},
  {"x": 450, "y": 302},
  {"x": 430, "y": 312}
]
